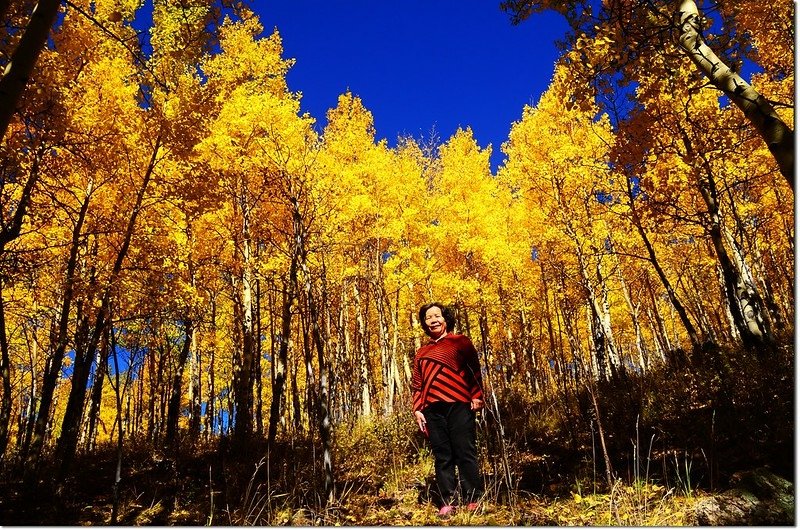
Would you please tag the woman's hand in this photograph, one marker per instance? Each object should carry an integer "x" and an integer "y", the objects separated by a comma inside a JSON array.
[
  {"x": 476, "y": 404},
  {"x": 421, "y": 422}
]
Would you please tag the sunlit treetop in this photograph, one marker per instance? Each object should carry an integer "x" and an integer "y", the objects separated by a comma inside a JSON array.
[
  {"x": 178, "y": 35},
  {"x": 247, "y": 61}
]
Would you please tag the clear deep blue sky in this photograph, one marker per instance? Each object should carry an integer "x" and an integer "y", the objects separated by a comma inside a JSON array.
[{"x": 417, "y": 64}]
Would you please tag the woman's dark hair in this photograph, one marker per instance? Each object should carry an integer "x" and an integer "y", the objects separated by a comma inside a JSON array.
[{"x": 447, "y": 313}]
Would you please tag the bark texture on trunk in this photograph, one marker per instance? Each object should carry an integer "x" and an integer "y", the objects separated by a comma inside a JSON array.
[{"x": 760, "y": 112}]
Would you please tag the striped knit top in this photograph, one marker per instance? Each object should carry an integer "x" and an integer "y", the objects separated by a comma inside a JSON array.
[{"x": 447, "y": 370}]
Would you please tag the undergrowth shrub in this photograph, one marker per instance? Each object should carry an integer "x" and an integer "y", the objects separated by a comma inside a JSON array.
[
  {"x": 724, "y": 410},
  {"x": 375, "y": 450},
  {"x": 689, "y": 423}
]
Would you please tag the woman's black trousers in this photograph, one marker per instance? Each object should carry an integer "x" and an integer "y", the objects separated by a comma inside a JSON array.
[{"x": 451, "y": 431}]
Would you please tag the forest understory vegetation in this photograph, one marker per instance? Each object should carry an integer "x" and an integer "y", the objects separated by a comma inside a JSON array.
[{"x": 672, "y": 436}]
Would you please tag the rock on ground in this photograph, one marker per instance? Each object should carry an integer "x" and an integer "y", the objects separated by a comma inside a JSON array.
[{"x": 758, "y": 497}]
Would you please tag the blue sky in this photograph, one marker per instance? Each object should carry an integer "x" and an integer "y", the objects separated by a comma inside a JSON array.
[{"x": 417, "y": 64}]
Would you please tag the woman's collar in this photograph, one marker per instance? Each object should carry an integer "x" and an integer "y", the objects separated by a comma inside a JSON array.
[{"x": 440, "y": 337}]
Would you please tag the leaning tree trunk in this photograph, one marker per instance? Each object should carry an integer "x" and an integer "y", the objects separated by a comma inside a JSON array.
[
  {"x": 662, "y": 276},
  {"x": 67, "y": 442},
  {"x": 20, "y": 68},
  {"x": 86, "y": 345},
  {"x": 601, "y": 432},
  {"x": 757, "y": 109},
  {"x": 59, "y": 339}
]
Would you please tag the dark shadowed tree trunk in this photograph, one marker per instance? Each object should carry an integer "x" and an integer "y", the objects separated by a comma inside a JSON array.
[
  {"x": 257, "y": 358},
  {"x": 9, "y": 231},
  {"x": 243, "y": 310},
  {"x": 86, "y": 344},
  {"x": 323, "y": 395},
  {"x": 67, "y": 442},
  {"x": 59, "y": 341},
  {"x": 19, "y": 69},
  {"x": 5, "y": 375},
  {"x": 662, "y": 276},
  {"x": 101, "y": 371},
  {"x": 212, "y": 389},
  {"x": 174, "y": 407},
  {"x": 281, "y": 360}
]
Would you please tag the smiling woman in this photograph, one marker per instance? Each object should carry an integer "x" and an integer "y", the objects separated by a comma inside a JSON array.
[
  {"x": 418, "y": 66},
  {"x": 447, "y": 392}
]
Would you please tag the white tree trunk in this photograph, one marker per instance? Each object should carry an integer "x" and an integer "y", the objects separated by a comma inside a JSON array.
[{"x": 760, "y": 112}]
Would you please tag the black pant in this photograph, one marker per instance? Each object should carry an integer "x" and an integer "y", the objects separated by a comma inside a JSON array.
[{"x": 451, "y": 431}]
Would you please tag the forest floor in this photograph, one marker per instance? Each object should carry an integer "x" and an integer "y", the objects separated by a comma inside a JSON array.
[
  {"x": 672, "y": 441},
  {"x": 208, "y": 488}
]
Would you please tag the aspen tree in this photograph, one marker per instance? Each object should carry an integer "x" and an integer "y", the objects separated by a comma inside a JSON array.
[
  {"x": 255, "y": 126},
  {"x": 644, "y": 38},
  {"x": 558, "y": 158},
  {"x": 689, "y": 170}
]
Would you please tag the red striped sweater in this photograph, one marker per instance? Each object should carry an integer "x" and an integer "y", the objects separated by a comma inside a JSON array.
[{"x": 447, "y": 370}]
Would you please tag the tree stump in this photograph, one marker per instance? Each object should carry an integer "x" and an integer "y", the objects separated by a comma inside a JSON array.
[{"x": 758, "y": 497}]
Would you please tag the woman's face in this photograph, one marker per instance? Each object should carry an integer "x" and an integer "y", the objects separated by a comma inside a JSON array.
[{"x": 435, "y": 322}]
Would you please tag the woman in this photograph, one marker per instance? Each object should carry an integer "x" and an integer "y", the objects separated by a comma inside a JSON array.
[{"x": 446, "y": 388}]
